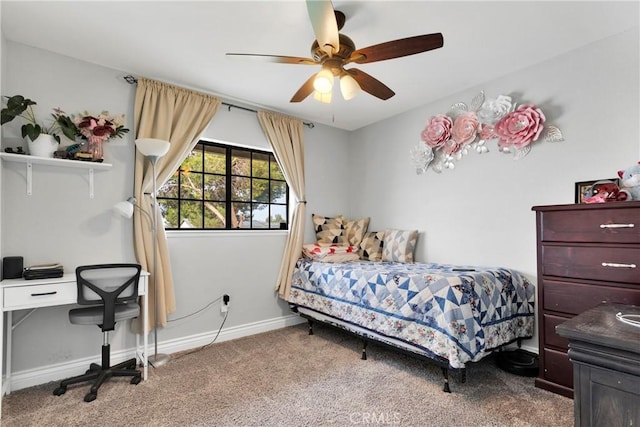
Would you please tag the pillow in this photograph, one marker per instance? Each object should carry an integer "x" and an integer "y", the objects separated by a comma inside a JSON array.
[
  {"x": 330, "y": 252},
  {"x": 317, "y": 251},
  {"x": 371, "y": 246},
  {"x": 354, "y": 231},
  {"x": 399, "y": 245},
  {"x": 328, "y": 229},
  {"x": 352, "y": 256}
]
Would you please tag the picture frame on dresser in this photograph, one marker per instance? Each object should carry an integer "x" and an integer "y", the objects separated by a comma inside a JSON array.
[{"x": 583, "y": 188}]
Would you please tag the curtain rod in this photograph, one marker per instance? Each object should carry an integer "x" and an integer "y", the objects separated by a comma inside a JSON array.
[{"x": 132, "y": 80}]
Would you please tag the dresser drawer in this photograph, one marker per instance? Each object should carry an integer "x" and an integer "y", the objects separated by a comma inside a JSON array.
[
  {"x": 550, "y": 336},
  {"x": 603, "y": 226},
  {"x": 611, "y": 264},
  {"x": 558, "y": 368},
  {"x": 575, "y": 298},
  {"x": 20, "y": 297}
]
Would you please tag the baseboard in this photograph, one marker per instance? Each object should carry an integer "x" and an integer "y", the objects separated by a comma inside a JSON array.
[
  {"x": 55, "y": 372},
  {"x": 198, "y": 340}
]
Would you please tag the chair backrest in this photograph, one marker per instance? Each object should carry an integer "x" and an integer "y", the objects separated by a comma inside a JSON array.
[{"x": 108, "y": 285}]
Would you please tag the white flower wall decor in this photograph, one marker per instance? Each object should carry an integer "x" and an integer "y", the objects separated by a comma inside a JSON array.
[{"x": 447, "y": 138}]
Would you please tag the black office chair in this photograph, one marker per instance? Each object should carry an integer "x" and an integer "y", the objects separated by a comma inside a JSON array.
[{"x": 112, "y": 292}]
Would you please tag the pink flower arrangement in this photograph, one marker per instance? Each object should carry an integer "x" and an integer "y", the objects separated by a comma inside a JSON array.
[
  {"x": 93, "y": 128},
  {"x": 448, "y": 137},
  {"x": 101, "y": 127}
]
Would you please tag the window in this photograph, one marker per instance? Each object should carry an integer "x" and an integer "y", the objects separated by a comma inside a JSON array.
[{"x": 222, "y": 187}]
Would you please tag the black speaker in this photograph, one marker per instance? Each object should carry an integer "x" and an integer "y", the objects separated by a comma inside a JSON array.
[{"x": 12, "y": 267}]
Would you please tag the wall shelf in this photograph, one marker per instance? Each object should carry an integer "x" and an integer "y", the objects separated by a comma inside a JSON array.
[{"x": 29, "y": 161}]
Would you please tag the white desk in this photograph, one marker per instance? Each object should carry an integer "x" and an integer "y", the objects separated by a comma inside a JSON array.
[{"x": 19, "y": 294}]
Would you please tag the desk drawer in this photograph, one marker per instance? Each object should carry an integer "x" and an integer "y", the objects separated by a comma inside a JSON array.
[{"x": 21, "y": 297}]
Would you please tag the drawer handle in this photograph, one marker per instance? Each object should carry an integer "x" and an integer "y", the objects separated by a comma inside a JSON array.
[
  {"x": 617, "y": 225},
  {"x": 616, "y": 265},
  {"x": 42, "y": 294}
]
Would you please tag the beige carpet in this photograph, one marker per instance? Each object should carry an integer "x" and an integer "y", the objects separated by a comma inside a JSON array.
[{"x": 288, "y": 378}]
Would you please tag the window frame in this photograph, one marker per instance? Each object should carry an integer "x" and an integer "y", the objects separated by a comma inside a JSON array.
[{"x": 229, "y": 150}]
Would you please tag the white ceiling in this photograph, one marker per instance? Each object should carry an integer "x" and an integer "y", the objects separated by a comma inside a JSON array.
[{"x": 184, "y": 43}]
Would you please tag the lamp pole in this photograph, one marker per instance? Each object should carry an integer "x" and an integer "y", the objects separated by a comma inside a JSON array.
[
  {"x": 153, "y": 149},
  {"x": 156, "y": 360}
]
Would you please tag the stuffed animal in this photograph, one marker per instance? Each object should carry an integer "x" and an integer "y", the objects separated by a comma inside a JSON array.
[{"x": 630, "y": 181}]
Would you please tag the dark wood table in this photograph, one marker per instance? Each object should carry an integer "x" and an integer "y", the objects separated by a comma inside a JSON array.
[{"x": 605, "y": 353}]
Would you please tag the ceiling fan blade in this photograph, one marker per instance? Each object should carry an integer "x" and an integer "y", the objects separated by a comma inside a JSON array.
[
  {"x": 370, "y": 84},
  {"x": 325, "y": 25},
  {"x": 397, "y": 48},
  {"x": 273, "y": 58},
  {"x": 305, "y": 90}
]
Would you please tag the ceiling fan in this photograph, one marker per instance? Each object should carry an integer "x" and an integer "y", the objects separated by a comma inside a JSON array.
[{"x": 333, "y": 51}]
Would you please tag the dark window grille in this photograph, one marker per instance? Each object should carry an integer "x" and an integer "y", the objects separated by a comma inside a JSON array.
[{"x": 224, "y": 187}]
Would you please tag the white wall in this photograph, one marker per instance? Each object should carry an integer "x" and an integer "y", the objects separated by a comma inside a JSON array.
[{"x": 480, "y": 212}]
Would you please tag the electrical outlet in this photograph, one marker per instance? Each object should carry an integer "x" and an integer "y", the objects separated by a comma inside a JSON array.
[{"x": 224, "y": 307}]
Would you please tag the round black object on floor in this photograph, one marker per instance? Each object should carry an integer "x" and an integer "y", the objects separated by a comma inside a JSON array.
[{"x": 518, "y": 362}]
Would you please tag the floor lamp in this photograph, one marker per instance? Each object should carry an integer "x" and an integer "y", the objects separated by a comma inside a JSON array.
[{"x": 153, "y": 149}]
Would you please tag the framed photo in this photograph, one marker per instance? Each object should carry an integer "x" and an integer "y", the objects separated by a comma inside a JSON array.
[{"x": 583, "y": 188}]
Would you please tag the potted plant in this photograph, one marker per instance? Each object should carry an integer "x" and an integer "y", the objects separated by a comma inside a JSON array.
[{"x": 41, "y": 139}]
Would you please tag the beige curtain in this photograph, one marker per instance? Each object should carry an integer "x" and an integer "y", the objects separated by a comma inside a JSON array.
[
  {"x": 285, "y": 136},
  {"x": 179, "y": 116}
]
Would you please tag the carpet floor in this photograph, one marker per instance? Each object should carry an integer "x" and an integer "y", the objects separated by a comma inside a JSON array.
[{"x": 289, "y": 378}]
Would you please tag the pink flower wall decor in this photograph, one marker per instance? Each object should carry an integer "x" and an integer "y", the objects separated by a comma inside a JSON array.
[
  {"x": 520, "y": 127},
  {"x": 437, "y": 131},
  {"x": 465, "y": 128},
  {"x": 447, "y": 138}
]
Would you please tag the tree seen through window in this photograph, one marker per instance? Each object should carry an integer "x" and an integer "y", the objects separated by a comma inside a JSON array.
[{"x": 225, "y": 187}]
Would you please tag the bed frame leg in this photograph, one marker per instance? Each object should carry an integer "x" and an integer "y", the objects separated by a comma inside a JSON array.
[
  {"x": 445, "y": 372},
  {"x": 364, "y": 349},
  {"x": 310, "y": 326},
  {"x": 463, "y": 375}
]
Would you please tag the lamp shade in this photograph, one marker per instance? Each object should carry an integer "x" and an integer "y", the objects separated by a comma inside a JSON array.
[
  {"x": 323, "y": 82},
  {"x": 322, "y": 97},
  {"x": 152, "y": 147},
  {"x": 348, "y": 86},
  {"x": 125, "y": 208}
]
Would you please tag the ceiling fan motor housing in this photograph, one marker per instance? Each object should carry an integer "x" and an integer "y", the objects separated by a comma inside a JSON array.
[{"x": 344, "y": 52}]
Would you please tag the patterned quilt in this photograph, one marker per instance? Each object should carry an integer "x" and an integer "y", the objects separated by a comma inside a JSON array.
[{"x": 458, "y": 313}]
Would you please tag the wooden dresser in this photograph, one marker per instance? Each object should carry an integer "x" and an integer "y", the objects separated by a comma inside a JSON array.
[
  {"x": 587, "y": 254},
  {"x": 605, "y": 353}
]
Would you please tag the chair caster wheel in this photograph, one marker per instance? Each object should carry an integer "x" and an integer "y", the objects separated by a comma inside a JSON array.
[
  {"x": 136, "y": 380},
  {"x": 90, "y": 397},
  {"x": 59, "y": 391}
]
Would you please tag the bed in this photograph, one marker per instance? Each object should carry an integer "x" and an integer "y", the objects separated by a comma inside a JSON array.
[{"x": 447, "y": 314}]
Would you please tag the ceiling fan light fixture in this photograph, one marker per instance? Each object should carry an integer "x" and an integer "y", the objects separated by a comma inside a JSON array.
[
  {"x": 324, "y": 97},
  {"x": 348, "y": 86},
  {"x": 323, "y": 82}
]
